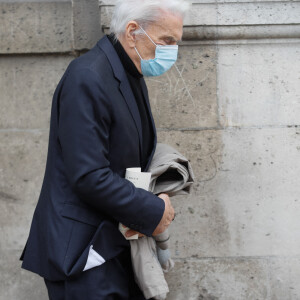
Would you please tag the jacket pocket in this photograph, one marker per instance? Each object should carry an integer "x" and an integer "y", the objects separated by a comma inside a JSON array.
[
  {"x": 81, "y": 214},
  {"x": 85, "y": 223}
]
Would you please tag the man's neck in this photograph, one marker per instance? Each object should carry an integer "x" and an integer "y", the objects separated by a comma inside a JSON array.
[{"x": 132, "y": 54}]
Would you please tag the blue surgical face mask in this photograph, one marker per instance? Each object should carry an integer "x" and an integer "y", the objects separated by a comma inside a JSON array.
[{"x": 165, "y": 57}]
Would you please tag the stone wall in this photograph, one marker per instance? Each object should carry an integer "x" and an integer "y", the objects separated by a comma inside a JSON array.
[{"x": 232, "y": 108}]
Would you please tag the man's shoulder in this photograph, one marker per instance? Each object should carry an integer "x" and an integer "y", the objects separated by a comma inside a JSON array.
[{"x": 94, "y": 60}]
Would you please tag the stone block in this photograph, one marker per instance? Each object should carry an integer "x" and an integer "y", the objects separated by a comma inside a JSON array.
[
  {"x": 36, "y": 27},
  {"x": 244, "y": 13},
  {"x": 214, "y": 20},
  {"x": 246, "y": 198},
  {"x": 27, "y": 85},
  {"x": 235, "y": 279},
  {"x": 186, "y": 97},
  {"x": 106, "y": 11},
  {"x": 201, "y": 227},
  {"x": 23, "y": 161},
  {"x": 284, "y": 273},
  {"x": 86, "y": 23},
  {"x": 16, "y": 283},
  {"x": 229, "y": 13},
  {"x": 263, "y": 89}
]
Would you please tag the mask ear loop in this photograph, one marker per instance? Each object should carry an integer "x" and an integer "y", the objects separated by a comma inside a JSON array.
[
  {"x": 147, "y": 35},
  {"x": 138, "y": 53}
]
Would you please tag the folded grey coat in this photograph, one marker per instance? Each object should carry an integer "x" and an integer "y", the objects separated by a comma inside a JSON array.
[{"x": 171, "y": 173}]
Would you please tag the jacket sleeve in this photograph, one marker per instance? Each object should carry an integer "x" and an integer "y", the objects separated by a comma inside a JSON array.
[{"x": 83, "y": 133}]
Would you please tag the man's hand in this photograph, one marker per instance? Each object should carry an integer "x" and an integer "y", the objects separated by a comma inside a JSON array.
[
  {"x": 167, "y": 217},
  {"x": 165, "y": 221}
]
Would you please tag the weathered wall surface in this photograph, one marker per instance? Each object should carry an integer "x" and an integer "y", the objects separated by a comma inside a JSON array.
[{"x": 232, "y": 110}]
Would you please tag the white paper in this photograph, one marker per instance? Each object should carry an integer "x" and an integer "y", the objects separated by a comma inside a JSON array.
[{"x": 140, "y": 180}]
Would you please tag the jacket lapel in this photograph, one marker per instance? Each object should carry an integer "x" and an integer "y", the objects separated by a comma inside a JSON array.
[
  {"x": 125, "y": 88},
  {"x": 131, "y": 103}
]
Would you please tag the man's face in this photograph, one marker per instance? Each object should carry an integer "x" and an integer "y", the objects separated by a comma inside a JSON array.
[{"x": 166, "y": 31}]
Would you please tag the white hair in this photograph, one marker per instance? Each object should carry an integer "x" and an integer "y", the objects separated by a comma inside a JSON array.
[{"x": 143, "y": 12}]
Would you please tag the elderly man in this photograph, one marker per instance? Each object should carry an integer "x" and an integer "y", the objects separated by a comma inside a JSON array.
[{"x": 101, "y": 124}]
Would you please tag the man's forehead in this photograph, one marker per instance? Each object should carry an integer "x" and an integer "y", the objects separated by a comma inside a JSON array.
[{"x": 169, "y": 30}]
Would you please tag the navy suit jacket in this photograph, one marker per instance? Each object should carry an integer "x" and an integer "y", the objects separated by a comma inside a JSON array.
[{"x": 95, "y": 134}]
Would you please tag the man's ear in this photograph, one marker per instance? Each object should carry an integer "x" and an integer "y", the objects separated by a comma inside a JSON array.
[{"x": 130, "y": 37}]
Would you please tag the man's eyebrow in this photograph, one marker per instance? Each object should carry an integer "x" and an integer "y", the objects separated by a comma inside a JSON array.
[{"x": 170, "y": 38}]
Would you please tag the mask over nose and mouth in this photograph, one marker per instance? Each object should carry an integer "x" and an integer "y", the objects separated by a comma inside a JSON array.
[{"x": 165, "y": 57}]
